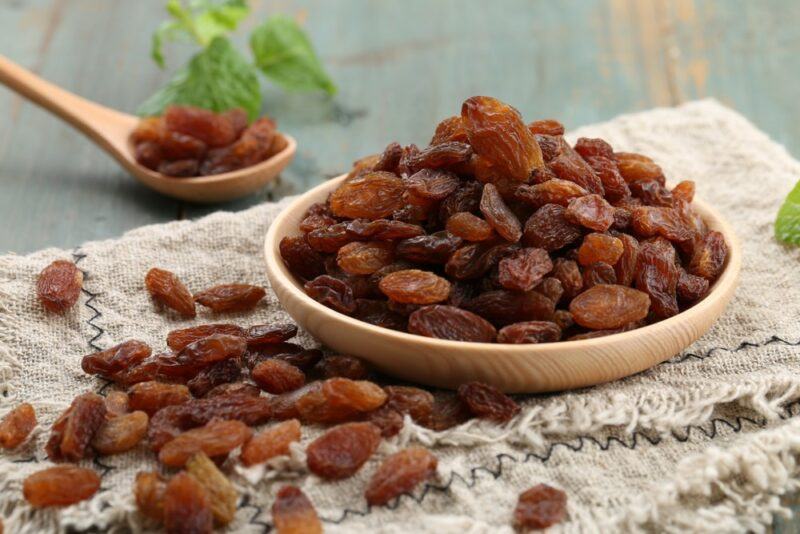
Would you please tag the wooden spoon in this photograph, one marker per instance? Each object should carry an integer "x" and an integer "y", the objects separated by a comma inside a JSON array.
[{"x": 111, "y": 129}]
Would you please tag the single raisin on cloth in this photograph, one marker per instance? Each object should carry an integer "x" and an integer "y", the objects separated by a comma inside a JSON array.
[{"x": 708, "y": 441}]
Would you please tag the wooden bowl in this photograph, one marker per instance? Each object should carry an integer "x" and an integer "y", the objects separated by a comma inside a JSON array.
[{"x": 512, "y": 368}]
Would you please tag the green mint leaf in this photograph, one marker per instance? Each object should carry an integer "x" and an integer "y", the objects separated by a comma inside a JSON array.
[
  {"x": 285, "y": 55},
  {"x": 217, "y": 78},
  {"x": 787, "y": 225},
  {"x": 201, "y": 22},
  {"x": 212, "y": 19}
]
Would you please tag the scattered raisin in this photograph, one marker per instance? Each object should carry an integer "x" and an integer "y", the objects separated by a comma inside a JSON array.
[
  {"x": 59, "y": 286},
  {"x": 108, "y": 363},
  {"x": 187, "y": 507},
  {"x": 16, "y": 426},
  {"x": 271, "y": 442},
  {"x": 167, "y": 289},
  {"x": 540, "y": 507},
  {"x": 148, "y": 489},
  {"x": 216, "y": 438},
  {"x": 342, "y": 450},
  {"x": 488, "y": 402},
  {"x": 293, "y": 513},
  {"x": 151, "y": 396},
  {"x": 400, "y": 473},
  {"x": 72, "y": 432},
  {"x": 340, "y": 365},
  {"x": 120, "y": 434},
  {"x": 61, "y": 485},
  {"x": 221, "y": 493},
  {"x": 277, "y": 376},
  {"x": 230, "y": 297}
]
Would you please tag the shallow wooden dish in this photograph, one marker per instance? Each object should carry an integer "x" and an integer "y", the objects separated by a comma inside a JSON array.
[{"x": 513, "y": 368}]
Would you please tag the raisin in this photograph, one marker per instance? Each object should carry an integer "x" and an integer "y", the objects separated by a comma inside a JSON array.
[
  {"x": 709, "y": 256},
  {"x": 502, "y": 307},
  {"x": 608, "y": 306},
  {"x": 434, "y": 248},
  {"x": 498, "y": 215},
  {"x": 466, "y": 198},
  {"x": 382, "y": 230},
  {"x": 377, "y": 312},
  {"x": 591, "y": 211},
  {"x": 529, "y": 332},
  {"x": 61, "y": 485},
  {"x": 293, "y": 513},
  {"x": 551, "y": 146},
  {"x": 304, "y": 360},
  {"x": 551, "y": 288},
  {"x": 168, "y": 290},
  {"x": 431, "y": 184},
  {"x": 370, "y": 196},
  {"x": 151, "y": 396},
  {"x": 622, "y": 219},
  {"x": 691, "y": 288},
  {"x": 187, "y": 507},
  {"x": 343, "y": 366},
  {"x": 16, "y": 426},
  {"x": 276, "y": 376},
  {"x": 402, "y": 400},
  {"x": 178, "y": 339},
  {"x": 148, "y": 153},
  {"x": 524, "y": 269},
  {"x": 635, "y": 167},
  {"x": 415, "y": 287},
  {"x": 568, "y": 165},
  {"x": 267, "y": 334},
  {"x": 117, "y": 403},
  {"x": 614, "y": 184},
  {"x": 488, "y": 402},
  {"x": 476, "y": 259},
  {"x": 651, "y": 193},
  {"x": 600, "y": 247},
  {"x": 169, "y": 422},
  {"x": 339, "y": 399},
  {"x": 591, "y": 147},
  {"x": 216, "y": 438},
  {"x": 568, "y": 273},
  {"x": 120, "y": 434},
  {"x": 555, "y": 191},
  {"x": 235, "y": 388},
  {"x": 300, "y": 258},
  {"x": 230, "y": 297},
  {"x": 59, "y": 286},
  {"x": 72, "y": 432},
  {"x": 211, "y": 349},
  {"x": 626, "y": 265},
  {"x": 212, "y": 128},
  {"x": 540, "y": 507},
  {"x": 148, "y": 489},
  {"x": 449, "y": 322},
  {"x": 365, "y": 258},
  {"x": 598, "y": 273},
  {"x": 469, "y": 227},
  {"x": 448, "y": 411},
  {"x": 684, "y": 191},
  {"x": 400, "y": 473},
  {"x": 547, "y": 228},
  {"x": 363, "y": 165},
  {"x": 271, "y": 442},
  {"x": 657, "y": 275},
  {"x": 253, "y": 146},
  {"x": 389, "y": 158},
  {"x": 496, "y": 132},
  {"x": 315, "y": 222},
  {"x": 546, "y": 127},
  {"x": 221, "y": 493},
  {"x": 388, "y": 420},
  {"x": 342, "y": 450},
  {"x": 329, "y": 239},
  {"x": 332, "y": 293},
  {"x": 181, "y": 168},
  {"x": 563, "y": 319},
  {"x": 119, "y": 358},
  {"x": 219, "y": 373}
]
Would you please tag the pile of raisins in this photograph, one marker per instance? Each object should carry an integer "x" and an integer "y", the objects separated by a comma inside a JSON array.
[
  {"x": 502, "y": 231},
  {"x": 189, "y": 141},
  {"x": 196, "y": 403}
]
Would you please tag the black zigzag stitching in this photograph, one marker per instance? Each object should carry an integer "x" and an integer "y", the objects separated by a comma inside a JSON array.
[
  {"x": 90, "y": 303},
  {"x": 743, "y": 345}
]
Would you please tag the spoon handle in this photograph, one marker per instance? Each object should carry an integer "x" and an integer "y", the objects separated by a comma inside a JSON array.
[{"x": 98, "y": 122}]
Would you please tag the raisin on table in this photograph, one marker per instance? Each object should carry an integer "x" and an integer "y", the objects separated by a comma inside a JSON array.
[
  {"x": 216, "y": 438},
  {"x": 488, "y": 402},
  {"x": 341, "y": 451},
  {"x": 74, "y": 430},
  {"x": 187, "y": 507},
  {"x": 148, "y": 490},
  {"x": 271, "y": 442},
  {"x": 108, "y": 363},
  {"x": 221, "y": 493},
  {"x": 16, "y": 426},
  {"x": 293, "y": 513},
  {"x": 168, "y": 290},
  {"x": 151, "y": 396},
  {"x": 400, "y": 473},
  {"x": 540, "y": 507},
  {"x": 230, "y": 297},
  {"x": 277, "y": 376},
  {"x": 120, "y": 434},
  {"x": 59, "y": 286},
  {"x": 61, "y": 485}
]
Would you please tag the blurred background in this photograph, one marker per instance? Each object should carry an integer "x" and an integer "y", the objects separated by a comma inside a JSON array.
[{"x": 400, "y": 66}]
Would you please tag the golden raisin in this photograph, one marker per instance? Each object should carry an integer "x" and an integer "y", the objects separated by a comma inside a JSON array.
[
  {"x": 271, "y": 442},
  {"x": 16, "y": 426},
  {"x": 400, "y": 473},
  {"x": 61, "y": 485},
  {"x": 59, "y": 286}
]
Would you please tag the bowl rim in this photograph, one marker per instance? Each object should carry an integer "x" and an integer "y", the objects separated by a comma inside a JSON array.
[{"x": 722, "y": 287}]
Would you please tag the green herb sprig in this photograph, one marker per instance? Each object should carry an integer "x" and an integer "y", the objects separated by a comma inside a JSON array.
[
  {"x": 219, "y": 77},
  {"x": 787, "y": 224}
]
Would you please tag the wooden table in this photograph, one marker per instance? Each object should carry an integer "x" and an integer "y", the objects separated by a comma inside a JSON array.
[{"x": 400, "y": 66}]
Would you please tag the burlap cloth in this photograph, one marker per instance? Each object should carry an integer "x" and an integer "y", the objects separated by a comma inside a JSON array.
[{"x": 707, "y": 441}]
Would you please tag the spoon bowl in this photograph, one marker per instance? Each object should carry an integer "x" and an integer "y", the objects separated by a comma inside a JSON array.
[
  {"x": 513, "y": 368},
  {"x": 111, "y": 130}
]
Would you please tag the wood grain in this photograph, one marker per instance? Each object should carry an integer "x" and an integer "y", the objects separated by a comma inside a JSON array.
[{"x": 513, "y": 368}]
